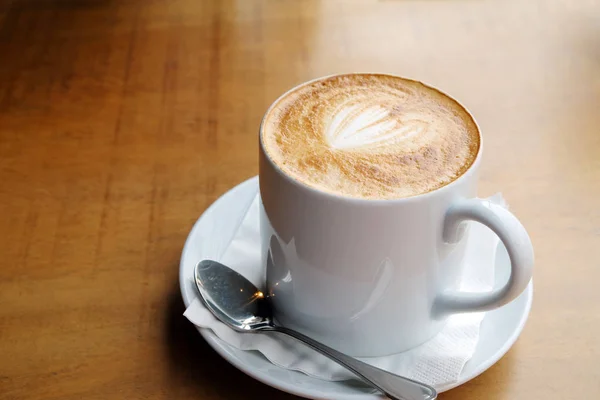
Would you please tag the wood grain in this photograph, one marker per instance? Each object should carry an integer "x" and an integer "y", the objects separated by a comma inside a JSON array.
[{"x": 121, "y": 121}]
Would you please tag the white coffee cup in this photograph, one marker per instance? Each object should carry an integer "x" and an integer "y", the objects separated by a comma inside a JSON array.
[{"x": 377, "y": 277}]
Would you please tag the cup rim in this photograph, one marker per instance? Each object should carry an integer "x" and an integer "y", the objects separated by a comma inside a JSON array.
[{"x": 360, "y": 200}]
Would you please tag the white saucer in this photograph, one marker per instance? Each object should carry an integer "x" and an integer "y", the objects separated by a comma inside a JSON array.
[{"x": 212, "y": 233}]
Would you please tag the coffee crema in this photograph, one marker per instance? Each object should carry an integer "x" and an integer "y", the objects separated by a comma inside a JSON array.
[{"x": 370, "y": 136}]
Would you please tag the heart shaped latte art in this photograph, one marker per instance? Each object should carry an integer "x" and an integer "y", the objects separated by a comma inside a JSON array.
[{"x": 357, "y": 126}]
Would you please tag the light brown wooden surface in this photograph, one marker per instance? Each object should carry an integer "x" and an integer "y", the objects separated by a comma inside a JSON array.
[{"x": 121, "y": 121}]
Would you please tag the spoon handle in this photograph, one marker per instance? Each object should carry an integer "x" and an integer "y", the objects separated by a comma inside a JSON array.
[{"x": 394, "y": 386}]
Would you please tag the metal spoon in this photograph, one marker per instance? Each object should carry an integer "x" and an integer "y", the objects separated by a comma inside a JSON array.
[{"x": 239, "y": 304}]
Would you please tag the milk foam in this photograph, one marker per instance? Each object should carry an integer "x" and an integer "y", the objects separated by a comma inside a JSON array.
[
  {"x": 370, "y": 136},
  {"x": 361, "y": 126}
]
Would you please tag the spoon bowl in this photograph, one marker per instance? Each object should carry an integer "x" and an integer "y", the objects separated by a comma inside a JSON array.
[{"x": 232, "y": 298}]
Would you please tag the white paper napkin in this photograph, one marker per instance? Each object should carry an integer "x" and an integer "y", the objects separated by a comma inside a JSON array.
[{"x": 437, "y": 362}]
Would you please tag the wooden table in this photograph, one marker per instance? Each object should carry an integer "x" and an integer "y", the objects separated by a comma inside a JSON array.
[{"x": 122, "y": 120}]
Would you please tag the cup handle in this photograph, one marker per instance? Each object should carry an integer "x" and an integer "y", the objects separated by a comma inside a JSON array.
[{"x": 518, "y": 245}]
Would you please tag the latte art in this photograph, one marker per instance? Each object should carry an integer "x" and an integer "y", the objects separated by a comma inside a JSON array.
[
  {"x": 359, "y": 127},
  {"x": 370, "y": 136}
]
